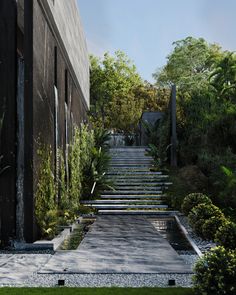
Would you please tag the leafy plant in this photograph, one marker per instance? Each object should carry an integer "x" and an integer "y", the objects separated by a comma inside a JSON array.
[
  {"x": 226, "y": 235},
  {"x": 215, "y": 273},
  {"x": 211, "y": 226},
  {"x": 192, "y": 200},
  {"x": 200, "y": 214},
  {"x": 75, "y": 169},
  {"x": 101, "y": 138},
  {"x": 45, "y": 204}
]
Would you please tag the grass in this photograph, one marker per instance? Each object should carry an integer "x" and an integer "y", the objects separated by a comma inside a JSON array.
[
  {"x": 96, "y": 291},
  {"x": 76, "y": 237}
]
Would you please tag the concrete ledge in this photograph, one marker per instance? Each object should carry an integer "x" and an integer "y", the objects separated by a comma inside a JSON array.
[
  {"x": 186, "y": 234},
  {"x": 44, "y": 245}
]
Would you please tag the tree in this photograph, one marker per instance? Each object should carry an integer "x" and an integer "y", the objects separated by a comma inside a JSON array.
[
  {"x": 189, "y": 65},
  {"x": 113, "y": 80},
  {"x": 119, "y": 95},
  {"x": 223, "y": 77}
]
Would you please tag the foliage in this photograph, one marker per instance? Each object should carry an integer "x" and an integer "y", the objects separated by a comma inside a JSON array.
[
  {"x": 205, "y": 76},
  {"x": 151, "y": 131},
  {"x": 228, "y": 187},
  {"x": 192, "y": 200},
  {"x": 75, "y": 169},
  {"x": 223, "y": 77},
  {"x": 101, "y": 138},
  {"x": 113, "y": 80},
  {"x": 226, "y": 235},
  {"x": 189, "y": 65},
  {"x": 154, "y": 153},
  {"x": 200, "y": 214},
  {"x": 118, "y": 94},
  {"x": 178, "y": 190},
  {"x": 94, "y": 174},
  {"x": 216, "y": 273},
  {"x": 211, "y": 226},
  {"x": 45, "y": 205}
]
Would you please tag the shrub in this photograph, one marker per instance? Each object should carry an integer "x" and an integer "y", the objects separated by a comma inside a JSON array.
[
  {"x": 45, "y": 205},
  {"x": 215, "y": 273},
  {"x": 226, "y": 235},
  {"x": 192, "y": 200},
  {"x": 200, "y": 214},
  {"x": 211, "y": 226}
]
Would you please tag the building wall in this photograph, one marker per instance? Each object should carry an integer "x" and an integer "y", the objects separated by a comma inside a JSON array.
[
  {"x": 7, "y": 118},
  {"x": 64, "y": 16},
  {"x": 46, "y": 28},
  {"x": 51, "y": 67}
]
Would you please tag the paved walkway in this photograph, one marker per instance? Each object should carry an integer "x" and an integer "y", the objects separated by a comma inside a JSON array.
[{"x": 119, "y": 244}]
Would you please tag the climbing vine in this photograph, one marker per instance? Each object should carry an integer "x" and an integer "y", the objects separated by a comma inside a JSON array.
[
  {"x": 45, "y": 205},
  {"x": 58, "y": 198}
]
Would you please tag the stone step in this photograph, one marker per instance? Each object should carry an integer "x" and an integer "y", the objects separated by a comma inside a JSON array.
[
  {"x": 126, "y": 206},
  {"x": 130, "y": 169},
  {"x": 131, "y": 192},
  {"x": 130, "y": 158},
  {"x": 137, "y": 212},
  {"x": 127, "y": 197},
  {"x": 137, "y": 188},
  {"x": 117, "y": 201},
  {"x": 140, "y": 184},
  {"x": 137, "y": 177},
  {"x": 134, "y": 173}
]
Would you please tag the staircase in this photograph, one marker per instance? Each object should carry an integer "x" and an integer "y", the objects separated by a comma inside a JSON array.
[{"x": 137, "y": 190}]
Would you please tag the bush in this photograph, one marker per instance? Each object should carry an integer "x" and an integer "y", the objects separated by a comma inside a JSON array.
[
  {"x": 45, "y": 205},
  {"x": 211, "y": 226},
  {"x": 215, "y": 273},
  {"x": 192, "y": 200},
  {"x": 200, "y": 214},
  {"x": 226, "y": 235}
]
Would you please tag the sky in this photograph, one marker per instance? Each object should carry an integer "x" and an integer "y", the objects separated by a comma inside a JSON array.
[{"x": 146, "y": 29}]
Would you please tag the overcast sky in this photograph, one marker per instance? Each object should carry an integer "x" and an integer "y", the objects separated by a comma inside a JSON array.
[{"x": 146, "y": 29}]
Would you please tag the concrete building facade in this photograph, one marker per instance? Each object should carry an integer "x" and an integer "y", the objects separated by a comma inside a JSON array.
[{"x": 44, "y": 91}]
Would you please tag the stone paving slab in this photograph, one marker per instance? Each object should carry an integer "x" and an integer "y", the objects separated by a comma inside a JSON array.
[
  {"x": 16, "y": 268},
  {"x": 119, "y": 244}
]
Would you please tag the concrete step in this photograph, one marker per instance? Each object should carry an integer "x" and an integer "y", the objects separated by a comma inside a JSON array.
[
  {"x": 135, "y": 173},
  {"x": 128, "y": 177},
  {"x": 137, "y": 212},
  {"x": 118, "y": 201},
  {"x": 141, "y": 197},
  {"x": 130, "y": 169},
  {"x": 139, "y": 183},
  {"x": 131, "y": 192},
  {"x": 137, "y": 188},
  {"x": 126, "y": 206}
]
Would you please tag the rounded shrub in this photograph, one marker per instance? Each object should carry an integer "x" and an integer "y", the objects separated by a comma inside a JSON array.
[
  {"x": 192, "y": 200},
  {"x": 200, "y": 214},
  {"x": 211, "y": 226},
  {"x": 215, "y": 273},
  {"x": 226, "y": 235}
]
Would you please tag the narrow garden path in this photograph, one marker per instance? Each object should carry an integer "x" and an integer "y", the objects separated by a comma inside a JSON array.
[{"x": 122, "y": 239}]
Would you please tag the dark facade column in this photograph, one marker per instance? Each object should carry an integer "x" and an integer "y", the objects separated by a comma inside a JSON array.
[
  {"x": 173, "y": 128},
  {"x": 8, "y": 69},
  {"x": 29, "y": 232}
]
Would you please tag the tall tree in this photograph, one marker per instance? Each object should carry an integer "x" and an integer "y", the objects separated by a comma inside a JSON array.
[
  {"x": 189, "y": 65},
  {"x": 114, "y": 102}
]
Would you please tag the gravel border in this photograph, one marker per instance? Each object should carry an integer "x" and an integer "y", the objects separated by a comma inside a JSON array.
[
  {"x": 110, "y": 280},
  {"x": 203, "y": 245}
]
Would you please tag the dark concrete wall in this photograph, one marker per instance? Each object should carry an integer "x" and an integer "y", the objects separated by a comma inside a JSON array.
[
  {"x": 41, "y": 109},
  {"x": 33, "y": 32},
  {"x": 7, "y": 117}
]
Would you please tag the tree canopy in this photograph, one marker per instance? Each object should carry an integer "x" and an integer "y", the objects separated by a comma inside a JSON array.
[{"x": 119, "y": 95}]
